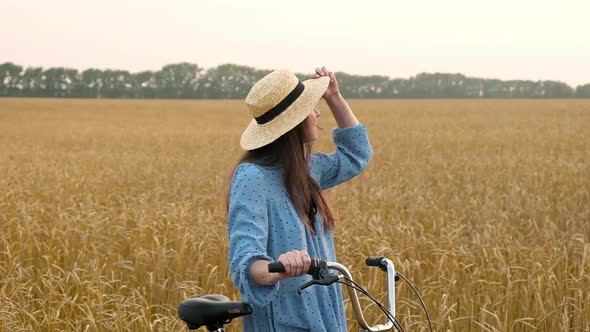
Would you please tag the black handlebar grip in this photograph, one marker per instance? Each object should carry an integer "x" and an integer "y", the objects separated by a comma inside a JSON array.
[
  {"x": 276, "y": 267},
  {"x": 375, "y": 261}
]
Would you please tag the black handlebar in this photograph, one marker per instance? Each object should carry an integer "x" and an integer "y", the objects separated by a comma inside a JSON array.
[
  {"x": 277, "y": 267},
  {"x": 316, "y": 264},
  {"x": 318, "y": 269},
  {"x": 376, "y": 261}
]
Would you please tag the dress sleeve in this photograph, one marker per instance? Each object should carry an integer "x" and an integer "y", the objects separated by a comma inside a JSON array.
[
  {"x": 353, "y": 152},
  {"x": 248, "y": 232}
]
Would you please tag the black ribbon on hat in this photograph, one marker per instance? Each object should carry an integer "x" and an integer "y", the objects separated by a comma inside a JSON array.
[{"x": 282, "y": 106}]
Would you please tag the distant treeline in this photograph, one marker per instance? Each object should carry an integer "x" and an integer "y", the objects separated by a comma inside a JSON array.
[{"x": 230, "y": 81}]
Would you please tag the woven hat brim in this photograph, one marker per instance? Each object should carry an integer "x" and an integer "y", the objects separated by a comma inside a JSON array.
[{"x": 258, "y": 135}]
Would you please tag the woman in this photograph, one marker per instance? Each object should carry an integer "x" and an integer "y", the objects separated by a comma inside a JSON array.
[{"x": 276, "y": 207}]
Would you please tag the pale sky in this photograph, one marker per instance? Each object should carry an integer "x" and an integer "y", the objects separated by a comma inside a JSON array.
[{"x": 505, "y": 39}]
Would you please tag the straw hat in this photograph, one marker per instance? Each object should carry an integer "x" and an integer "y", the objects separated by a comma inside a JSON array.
[{"x": 278, "y": 102}]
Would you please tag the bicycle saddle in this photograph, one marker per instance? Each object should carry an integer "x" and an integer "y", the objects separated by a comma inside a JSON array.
[{"x": 211, "y": 310}]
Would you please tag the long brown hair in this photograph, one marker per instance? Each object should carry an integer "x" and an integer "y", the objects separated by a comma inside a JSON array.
[{"x": 291, "y": 153}]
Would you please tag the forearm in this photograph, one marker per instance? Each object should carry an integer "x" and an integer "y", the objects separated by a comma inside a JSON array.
[{"x": 341, "y": 111}]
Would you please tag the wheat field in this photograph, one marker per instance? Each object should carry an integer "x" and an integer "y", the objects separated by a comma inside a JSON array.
[{"x": 112, "y": 211}]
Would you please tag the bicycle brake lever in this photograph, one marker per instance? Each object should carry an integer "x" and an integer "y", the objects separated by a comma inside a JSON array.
[
  {"x": 305, "y": 285},
  {"x": 324, "y": 281}
]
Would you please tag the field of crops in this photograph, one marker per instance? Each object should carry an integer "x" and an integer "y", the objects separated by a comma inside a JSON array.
[{"x": 112, "y": 211}]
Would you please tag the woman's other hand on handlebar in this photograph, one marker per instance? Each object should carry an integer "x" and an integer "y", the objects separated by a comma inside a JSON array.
[{"x": 296, "y": 263}]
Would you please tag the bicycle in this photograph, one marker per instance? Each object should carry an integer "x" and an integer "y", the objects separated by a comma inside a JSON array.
[{"x": 215, "y": 310}]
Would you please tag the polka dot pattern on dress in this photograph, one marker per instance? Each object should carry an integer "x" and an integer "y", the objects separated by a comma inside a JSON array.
[{"x": 263, "y": 224}]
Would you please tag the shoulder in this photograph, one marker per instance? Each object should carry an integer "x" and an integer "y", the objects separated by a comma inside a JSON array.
[
  {"x": 252, "y": 175},
  {"x": 315, "y": 159},
  {"x": 248, "y": 170}
]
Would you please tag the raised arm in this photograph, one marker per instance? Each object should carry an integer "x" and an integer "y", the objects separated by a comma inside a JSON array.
[{"x": 353, "y": 149}]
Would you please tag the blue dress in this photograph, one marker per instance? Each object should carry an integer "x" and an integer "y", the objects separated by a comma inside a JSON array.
[{"x": 263, "y": 224}]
